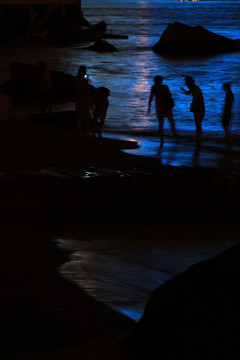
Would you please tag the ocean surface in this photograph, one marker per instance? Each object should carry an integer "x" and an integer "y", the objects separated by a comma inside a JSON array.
[
  {"x": 118, "y": 269},
  {"x": 129, "y": 72}
]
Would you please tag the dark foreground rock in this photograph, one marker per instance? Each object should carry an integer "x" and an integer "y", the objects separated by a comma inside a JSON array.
[
  {"x": 195, "y": 315},
  {"x": 182, "y": 38}
]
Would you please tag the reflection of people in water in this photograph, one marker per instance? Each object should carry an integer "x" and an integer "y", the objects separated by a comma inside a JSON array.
[
  {"x": 164, "y": 104},
  {"x": 83, "y": 101},
  {"x": 197, "y": 105},
  {"x": 101, "y": 104},
  {"x": 227, "y": 113}
]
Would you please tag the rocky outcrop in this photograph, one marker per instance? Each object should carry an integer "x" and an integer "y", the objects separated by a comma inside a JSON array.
[
  {"x": 71, "y": 33},
  {"x": 25, "y": 79},
  {"x": 102, "y": 46},
  {"x": 181, "y": 38},
  {"x": 195, "y": 315}
]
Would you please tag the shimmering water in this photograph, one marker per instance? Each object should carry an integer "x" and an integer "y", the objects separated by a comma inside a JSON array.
[{"x": 128, "y": 73}]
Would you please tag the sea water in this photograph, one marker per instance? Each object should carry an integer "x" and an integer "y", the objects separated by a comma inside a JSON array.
[
  {"x": 120, "y": 269},
  {"x": 129, "y": 72}
]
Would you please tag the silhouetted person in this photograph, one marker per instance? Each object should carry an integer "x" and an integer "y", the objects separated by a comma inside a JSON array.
[
  {"x": 100, "y": 108},
  {"x": 83, "y": 101},
  {"x": 227, "y": 113},
  {"x": 197, "y": 105},
  {"x": 45, "y": 87},
  {"x": 164, "y": 104}
]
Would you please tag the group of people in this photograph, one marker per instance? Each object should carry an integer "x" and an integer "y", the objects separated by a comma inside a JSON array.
[
  {"x": 91, "y": 105},
  {"x": 164, "y": 105}
]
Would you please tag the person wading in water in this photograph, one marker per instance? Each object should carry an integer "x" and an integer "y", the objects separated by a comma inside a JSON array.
[
  {"x": 197, "y": 106},
  {"x": 164, "y": 104}
]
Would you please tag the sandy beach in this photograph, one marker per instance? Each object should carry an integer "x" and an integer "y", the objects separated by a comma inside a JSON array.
[{"x": 44, "y": 315}]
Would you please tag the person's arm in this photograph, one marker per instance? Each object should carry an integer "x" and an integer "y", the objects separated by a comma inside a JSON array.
[{"x": 186, "y": 92}]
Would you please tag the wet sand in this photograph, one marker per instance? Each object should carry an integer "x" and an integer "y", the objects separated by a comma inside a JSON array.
[
  {"x": 43, "y": 314},
  {"x": 213, "y": 153}
]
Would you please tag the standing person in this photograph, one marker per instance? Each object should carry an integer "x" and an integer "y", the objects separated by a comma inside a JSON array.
[
  {"x": 197, "y": 105},
  {"x": 45, "y": 87},
  {"x": 164, "y": 104},
  {"x": 83, "y": 101},
  {"x": 101, "y": 104},
  {"x": 227, "y": 113}
]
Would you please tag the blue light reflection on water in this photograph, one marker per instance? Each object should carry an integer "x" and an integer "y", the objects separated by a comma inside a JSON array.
[
  {"x": 123, "y": 272},
  {"x": 144, "y": 23},
  {"x": 129, "y": 72}
]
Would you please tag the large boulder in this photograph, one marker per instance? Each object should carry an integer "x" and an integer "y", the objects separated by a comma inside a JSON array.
[
  {"x": 182, "y": 38},
  {"x": 102, "y": 46},
  {"x": 25, "y": 81},
  {"x": 195, "y": 315}
]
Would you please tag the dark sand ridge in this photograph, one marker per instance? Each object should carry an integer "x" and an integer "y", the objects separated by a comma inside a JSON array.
[{"x": 44, "y": 315}]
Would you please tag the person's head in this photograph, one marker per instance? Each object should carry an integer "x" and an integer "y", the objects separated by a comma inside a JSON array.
[
  {"x": 103, "y": 91},
  {"x": 226, "y": 87},
  {"x": 82, "y": 71},
  {"x": 158, "y": 80},
  {"x": 189, "y": 80}
]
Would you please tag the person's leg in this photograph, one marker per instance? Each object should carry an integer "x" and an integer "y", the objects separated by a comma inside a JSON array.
[
  {"x": 87, "y": 127},
  {"x": 160, "y": 129},
  {"x": 79, "y": 121},
  {"x": 95, "y": 124},
  {"x": 101, "y": 124},
  {"x": 198, "y": 122},
  {"x": 228, "y": 136},
  {"x": 172, "y": 123}
]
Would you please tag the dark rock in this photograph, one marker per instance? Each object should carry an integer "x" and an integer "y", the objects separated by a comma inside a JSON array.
[
  {"x": 181, "y": 38},
  {"x": 195, "y": 315},
  {"x": 25, "y": 77},
  {"x": 71, "y": 32},
  {"x": 102, "y": 46},
  {"x": 115, "y": 36}
]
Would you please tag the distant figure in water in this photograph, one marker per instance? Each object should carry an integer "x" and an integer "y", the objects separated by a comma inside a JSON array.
[
  {"x": 164, "y": 104},
  {"x": 197, "y": 105},
  {"x": 100, "y": 108},
  {"x": 227, "y": 113},
  {"x": 83, "y": 102},
  {"x": 45, "y": 87}
]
